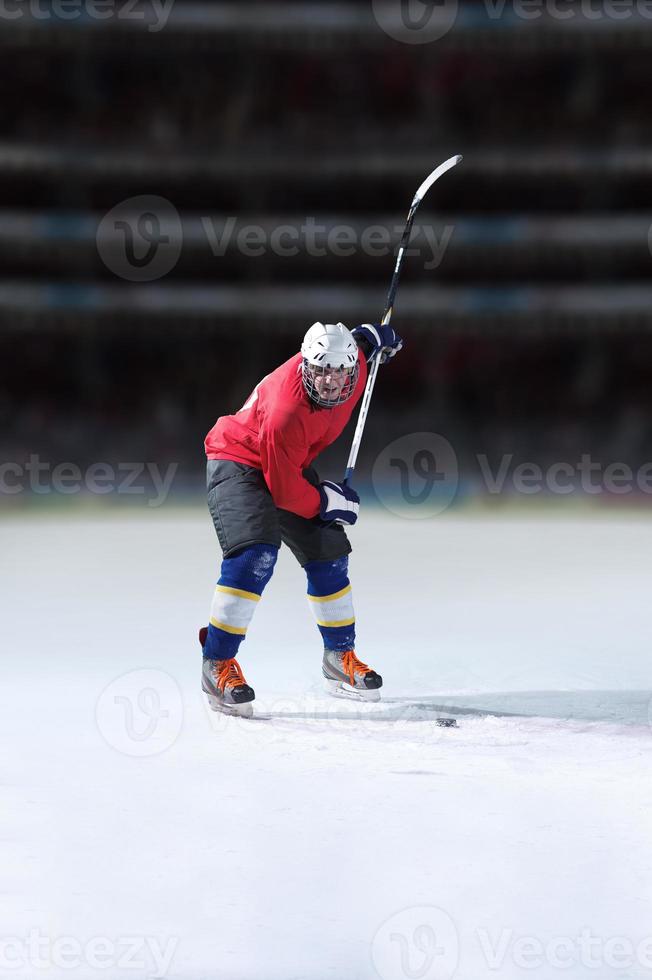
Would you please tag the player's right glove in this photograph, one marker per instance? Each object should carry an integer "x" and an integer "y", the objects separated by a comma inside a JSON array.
[
  {"x": 339, "y": 503},
  {"x": 378, "y": 338}
]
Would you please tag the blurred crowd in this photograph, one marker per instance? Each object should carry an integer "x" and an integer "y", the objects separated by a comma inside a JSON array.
[
  {"x": 123, "y": 387},
  {"x": 152, "y": 398},
  {"x": 194, "y": 98}
]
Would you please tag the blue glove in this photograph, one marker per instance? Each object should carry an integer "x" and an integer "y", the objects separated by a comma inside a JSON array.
[
  {"x": 339, "y": 503},
  {"x": 377, "y": 337}
]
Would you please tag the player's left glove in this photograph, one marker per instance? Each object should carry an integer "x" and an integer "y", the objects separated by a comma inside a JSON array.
[
  {"x": 339, "y": 503},
  {"x": 377, "y": 337}
]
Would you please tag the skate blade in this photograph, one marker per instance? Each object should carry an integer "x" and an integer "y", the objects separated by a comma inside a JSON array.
[
  {"x": 245, "y": 710},
  {"x": 338, "y": 689}
]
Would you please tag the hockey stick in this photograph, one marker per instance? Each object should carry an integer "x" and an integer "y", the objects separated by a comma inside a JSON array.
[{"x": 389, "y": 308}]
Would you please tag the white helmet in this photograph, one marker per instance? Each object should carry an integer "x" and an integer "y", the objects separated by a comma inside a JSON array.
[{"x": 329, "y": 348}]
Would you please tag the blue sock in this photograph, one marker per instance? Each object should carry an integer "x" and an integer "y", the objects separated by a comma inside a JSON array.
[
  {"x": 242, "y": 580},
  {"x": 331, "y": 602}
]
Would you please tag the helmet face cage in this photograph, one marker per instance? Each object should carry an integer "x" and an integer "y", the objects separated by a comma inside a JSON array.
[{"x": 312, "y": 372}]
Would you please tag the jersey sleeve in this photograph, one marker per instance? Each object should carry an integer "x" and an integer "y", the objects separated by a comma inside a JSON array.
[{"x": 283, "y": 448}]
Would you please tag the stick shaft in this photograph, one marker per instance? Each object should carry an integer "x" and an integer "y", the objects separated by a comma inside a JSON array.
[
  {"x": 389, "y": 308},
  {"x": 393, "y": 289}
]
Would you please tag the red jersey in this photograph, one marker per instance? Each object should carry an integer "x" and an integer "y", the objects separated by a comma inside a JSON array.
[{"x": 280, "y": 431}]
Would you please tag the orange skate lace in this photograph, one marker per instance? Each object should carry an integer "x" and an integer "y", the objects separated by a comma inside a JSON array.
[
  {"x": 352, "y": 666},
  {"x": 230, "y": 674}
]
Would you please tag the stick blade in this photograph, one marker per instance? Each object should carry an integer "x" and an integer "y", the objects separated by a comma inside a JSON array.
[{"x": 436, "y": 174}]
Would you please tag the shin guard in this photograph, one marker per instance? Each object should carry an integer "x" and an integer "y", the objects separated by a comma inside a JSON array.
[
  {"x": 242, "y": 580},
  {"x": 331, "y": 602}
]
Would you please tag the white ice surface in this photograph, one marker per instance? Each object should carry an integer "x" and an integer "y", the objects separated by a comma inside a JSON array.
[{"x": 278, "y": 849}]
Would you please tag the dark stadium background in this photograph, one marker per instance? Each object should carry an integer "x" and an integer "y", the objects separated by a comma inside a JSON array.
[{"x": 532, "y": 337}]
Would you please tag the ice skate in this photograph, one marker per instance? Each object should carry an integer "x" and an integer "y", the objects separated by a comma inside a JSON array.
[
  {"x": 225, "y": 686},
  {"x": 348, "y": 677}
]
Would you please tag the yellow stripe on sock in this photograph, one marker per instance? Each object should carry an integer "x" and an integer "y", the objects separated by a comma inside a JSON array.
[
  {"x": 238, "y": 630},
  {"x": 239, "y": 592},
  {"x": 329, "y": 598},
  {"x": 339, "y": 622}
]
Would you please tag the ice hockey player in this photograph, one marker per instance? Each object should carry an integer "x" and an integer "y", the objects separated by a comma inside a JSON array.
[{"x": 263, "y": 490}]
